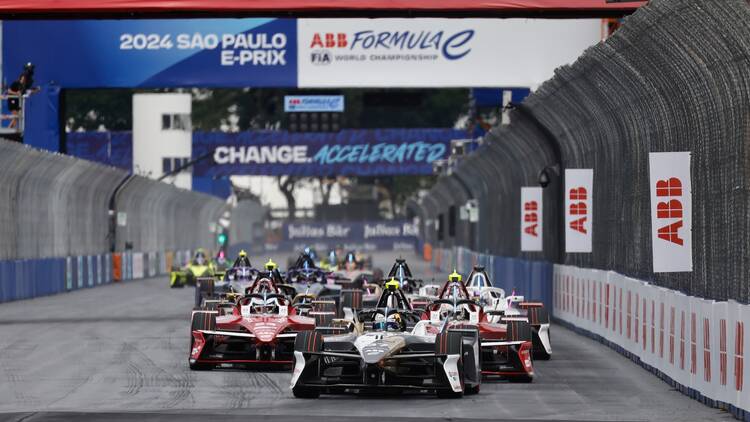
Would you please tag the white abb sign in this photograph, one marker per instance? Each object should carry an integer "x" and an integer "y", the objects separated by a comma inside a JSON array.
[
  {"x": 531, "y": 219},
  {"x": 578, "y": 209},
  {"x": 671, "y": 211}
]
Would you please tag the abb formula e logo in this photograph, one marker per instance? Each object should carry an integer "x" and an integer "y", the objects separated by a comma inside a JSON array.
[
  {"x": 386, "y": 45},
  {"x": 671, "y": 205}
]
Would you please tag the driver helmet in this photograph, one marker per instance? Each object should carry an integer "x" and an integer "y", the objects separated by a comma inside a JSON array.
[
  {"x": 260, "y": 306},
  {"x": 394, "y": 322},
  {"x": 270, "y": 265},
  {"x": 242, "y": 273},
  {"x": 242, "y": 260},
  {"x": 200, "y": 257}
]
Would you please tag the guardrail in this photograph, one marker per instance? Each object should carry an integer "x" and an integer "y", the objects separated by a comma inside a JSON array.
[
  {"x": 696, "y": 345},
  {"x": 56, "y": 225}
]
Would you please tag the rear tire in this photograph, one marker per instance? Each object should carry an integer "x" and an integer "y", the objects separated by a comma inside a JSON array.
[
  {"x": 350, "y": 298},
  {"x": 518, "y": 331},
  {"x": 305, "y": 393},
  {"x": 308, "y": 341},
  {"x": 537, "y": 317},
  {"x": 452, "y": 345},
  {"x": 201, "y": 321}
]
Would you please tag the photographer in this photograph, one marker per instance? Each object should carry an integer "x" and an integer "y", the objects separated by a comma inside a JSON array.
[{"x": 19, "y": 88}]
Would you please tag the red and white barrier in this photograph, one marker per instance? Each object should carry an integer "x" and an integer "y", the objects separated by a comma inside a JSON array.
[{"x": 699, "y": 344}]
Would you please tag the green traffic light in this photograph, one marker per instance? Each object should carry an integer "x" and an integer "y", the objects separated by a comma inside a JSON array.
[{"x": 222, "y": 239}]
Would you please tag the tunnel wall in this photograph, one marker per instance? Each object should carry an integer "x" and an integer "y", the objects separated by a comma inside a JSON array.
[
  {"x": 674, "y": 77},
  {"x": 55, "y": 224}
]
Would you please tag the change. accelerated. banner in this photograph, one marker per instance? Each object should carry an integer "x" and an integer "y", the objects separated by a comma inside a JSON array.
[{"x": 349, "y": 152}]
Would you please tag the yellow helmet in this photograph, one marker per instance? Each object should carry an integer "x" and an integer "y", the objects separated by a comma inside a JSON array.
[
  {"x": 455, "y": 276},
  {"x": 243, "y": 253},
  {"x": 270, "y": 265},
  {"x": 392, "y": 284}
]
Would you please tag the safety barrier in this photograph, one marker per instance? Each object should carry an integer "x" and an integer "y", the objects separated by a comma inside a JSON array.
[
  {"x": 29, "y": 278},
  {"x": 694, "y": 344},
  {"x": 532, "y": 279},
  {"x": 55, "y": 232},
  {"x": 673, "y": 78}
]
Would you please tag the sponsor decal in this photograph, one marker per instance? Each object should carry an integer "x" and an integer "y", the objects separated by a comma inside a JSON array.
[
  {"x": 313, "y": 103},
  {"x": 578, "y": 210},
  {"x": 671, "y": 211},
  {"x": 531, "y": 219}
]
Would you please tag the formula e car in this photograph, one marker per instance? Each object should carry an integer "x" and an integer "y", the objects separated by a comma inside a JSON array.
[
  {"x": 506, "y": 346},
  {"x": 382, "y": 352},
  {"x": 199, "y": 266},
  {"x": 260, "y": 328},
  {"x": 497, "y": 306}
]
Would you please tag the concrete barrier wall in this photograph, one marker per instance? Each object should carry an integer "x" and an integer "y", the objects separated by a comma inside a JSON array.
[
  {"x": 55, "y": 231},
  {"x": 675, "y": 77},
  {"x": 696, "y": 345}
]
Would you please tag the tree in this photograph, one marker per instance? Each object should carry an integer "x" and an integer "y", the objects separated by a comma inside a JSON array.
[{"x": 286, "y": 186}]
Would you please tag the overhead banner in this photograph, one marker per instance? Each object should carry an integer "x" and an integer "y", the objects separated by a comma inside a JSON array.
[
  {"x": 438, "y": 52},
  {"x": 671, "y": 211},
  {"x": 256, "y": 52},
  {"x": 264, "y": 52},
  {"x": 531, "y": 219},
  {"x": 578, "y": 210},
  {"x": 361, "y": 236},
  {"x": 348, "y": 152}
]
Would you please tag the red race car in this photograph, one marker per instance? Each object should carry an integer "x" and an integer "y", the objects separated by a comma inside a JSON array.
[
  {"x": 506, "y": 346},
  {"x": 258, "y": 329}
]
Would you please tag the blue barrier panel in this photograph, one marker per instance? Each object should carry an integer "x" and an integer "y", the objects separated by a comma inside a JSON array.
[
  {"x": 90, "y": 270},
  {"x": 24, "y": 276},
  {"x": 69, "y": 273},
  {"x": 108, "y": 268},
  {"x": 80, "y": 274},
  {"x": 9, "y": 280},
  {"x": 98, "y": 269},
  {"x": 59, "y": 274}
]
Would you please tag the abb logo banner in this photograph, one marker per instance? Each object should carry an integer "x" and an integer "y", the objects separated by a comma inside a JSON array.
[
  {"x": 531, "y": 219},
  {"x": 671, "y": 211},
  {"x": 579, "y": 185}
]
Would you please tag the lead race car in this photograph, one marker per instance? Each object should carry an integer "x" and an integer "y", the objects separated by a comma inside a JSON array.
[
  {"x": 388, "y": 348},
  {"x": 259, "y": 328}
]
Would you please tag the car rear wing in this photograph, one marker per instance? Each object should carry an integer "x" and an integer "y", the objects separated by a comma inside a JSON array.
[
  {"x": 245, "y": 335},
  {"x": 502, "y": 343}
]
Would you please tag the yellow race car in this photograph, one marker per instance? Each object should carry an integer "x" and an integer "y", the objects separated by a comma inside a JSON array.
[{"x": 199, "y": 266}]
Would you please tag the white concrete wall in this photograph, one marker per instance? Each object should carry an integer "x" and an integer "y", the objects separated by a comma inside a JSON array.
[{"x": 151, "y": 143}]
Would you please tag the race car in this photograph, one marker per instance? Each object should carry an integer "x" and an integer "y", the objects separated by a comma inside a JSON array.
[
  {"x": 506, "y": 346},
  {"x": 382, "y": 352},
  {"x": 260, "y": 328},
  {"x": 199, "y": 266},
  {"x": 498, "y": 306},
  {"x": 236, "y": 279}
]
